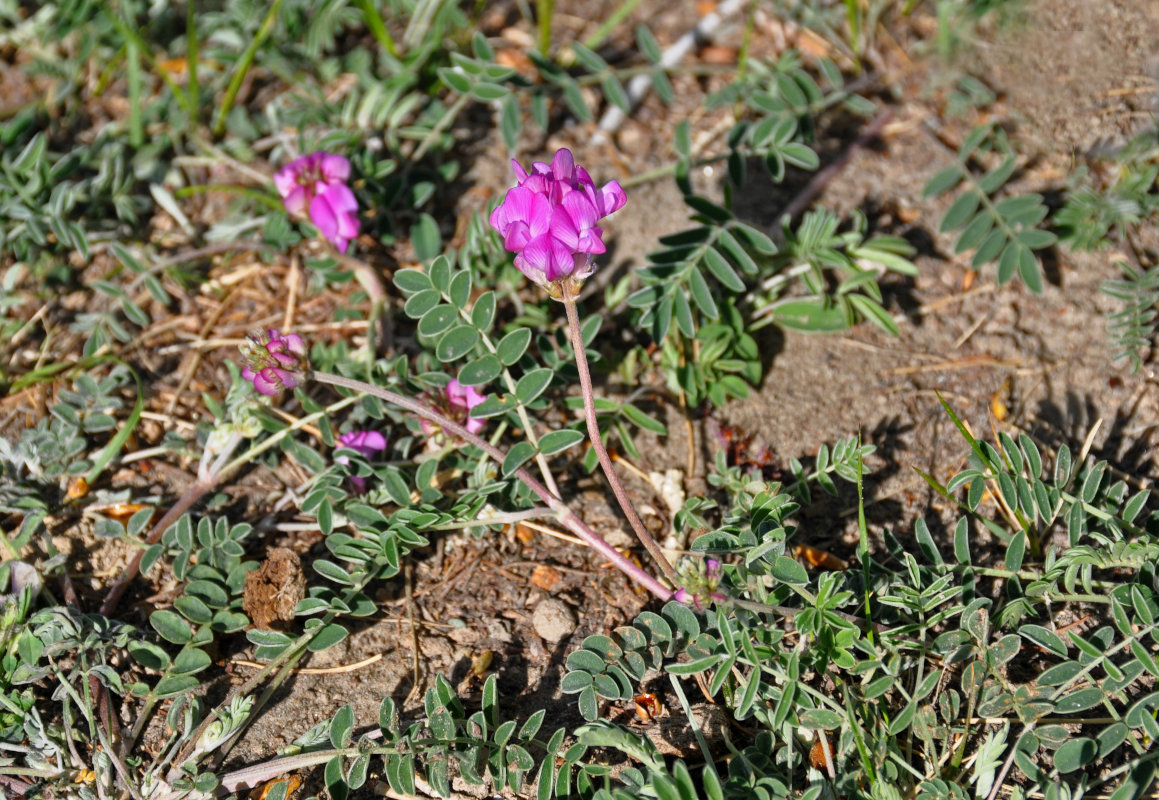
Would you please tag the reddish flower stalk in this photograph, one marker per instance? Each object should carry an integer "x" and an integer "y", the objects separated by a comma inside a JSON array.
[
  {"x": 549, "y": 221},
  {"x": 581, "y": 362}
]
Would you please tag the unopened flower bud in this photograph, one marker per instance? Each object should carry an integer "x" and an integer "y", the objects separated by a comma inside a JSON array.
[{"x": 273, "y": 361}]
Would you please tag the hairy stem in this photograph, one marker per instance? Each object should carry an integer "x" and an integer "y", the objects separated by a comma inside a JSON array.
[
  {"x": 581, "y": 362},
  {"x": 566, "y": 516}
]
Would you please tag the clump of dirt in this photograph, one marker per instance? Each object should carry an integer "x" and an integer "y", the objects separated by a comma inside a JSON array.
[{"x": 273, "y": 590}]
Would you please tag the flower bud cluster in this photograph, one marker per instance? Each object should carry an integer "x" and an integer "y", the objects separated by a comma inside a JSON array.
[
  {"x": 272, "y": 361},
  {"x": 700, "y": 581}
]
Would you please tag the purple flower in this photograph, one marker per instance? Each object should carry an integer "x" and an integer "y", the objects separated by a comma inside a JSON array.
[
  {"x": 549, "y": 221},
  {"x": 367, "y": 444},
  {"x": 316, "y": 185},
  {"x": 456, "y": 402},
  {"x": 272, "y": 361},
  {"x": 699, "y": 580}
]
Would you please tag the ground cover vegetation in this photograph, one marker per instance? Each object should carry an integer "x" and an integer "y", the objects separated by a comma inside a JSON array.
[{"x": 234, "y": 243}]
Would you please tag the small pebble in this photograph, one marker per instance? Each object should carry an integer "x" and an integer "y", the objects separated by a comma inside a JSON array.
[{"x": 553, "y": 620}]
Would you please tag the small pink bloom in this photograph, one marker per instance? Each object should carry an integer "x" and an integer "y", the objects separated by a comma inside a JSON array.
[
  {"x": 700, "y": 581},
  {"x": 272, "y": 361},
  {"x": 466, "y": 398},
  {"x": 549, "y": 220},
  {"x": 368, "y": 444},
  {"x": 315, "y": 185},
  {"x": 456, "y": 402}
]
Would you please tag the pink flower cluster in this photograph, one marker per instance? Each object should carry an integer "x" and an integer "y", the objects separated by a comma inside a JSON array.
[
  {"x": 316, "y": 185},
  {"x": 273, "y": 361},
  {"x": 456, "y": 402},
  {"x": 549, "y": 221},
  {"x": 700, "y": 580},
  {"x": 367, "y": 444}
]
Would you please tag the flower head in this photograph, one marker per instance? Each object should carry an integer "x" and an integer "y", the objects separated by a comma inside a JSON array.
[
  {"x": 367, "y": 444},
  {"x": 273, "y": 361},
  {"x": 699, "y": 580},
  {"x": 549, "y": 221},
  {"x": 316, "y": 185},
  {"x": 456, "y": 402}
]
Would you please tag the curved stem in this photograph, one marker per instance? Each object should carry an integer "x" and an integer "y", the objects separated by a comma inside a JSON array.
[
  {"x": 581, "y": 362},
  {"x": 566, "y": 516}
]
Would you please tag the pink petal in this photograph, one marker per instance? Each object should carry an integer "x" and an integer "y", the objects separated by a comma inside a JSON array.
[
  {"x": 559, "y": 261},
  {"x": 539, "y": 220},
  {"x": 535, "y": 257},
  {"x": 341, "y": 197},
  {"x": 323, "y": 216},
  {"x": 611, "y": 198},
  {"x": 456, "y": 393},
  {"x": 348, "y": 226},
  {"x": 516, "y": 206},
  {"x": 581, "y": 210},
  {"x": 288, "y": 379},
  {"x": 563, "y": 165},
  {"x": 583, "y": 180},
  {"x": 533, "y": 272},
  {"x": 266, "y": 382},
  {"x": 590, "y": 242},
  {"x": 285, "y": 180},
  {"x": 563, "y": 229},
  {"x": 474, "y": 397},
  {"x": 296, "y": 200},
  {"x": 295, "y": 344},
  {"x": 517, "y": 237},
  {"x": 367, "y": 443},
  {"x": 373, "y": 440},
  {"x": 334, "y": 168}
]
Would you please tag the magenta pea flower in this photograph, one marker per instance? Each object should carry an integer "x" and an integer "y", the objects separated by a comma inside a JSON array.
[
  {"x": 456, "y": 402},
  {"x": 315, "y": 186},
  {"x": 367, "y": 444},
  {"x": 549, "y": 221},
  {"x": 699, "y": 581},
  {"x": 273, "y": 361}
]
